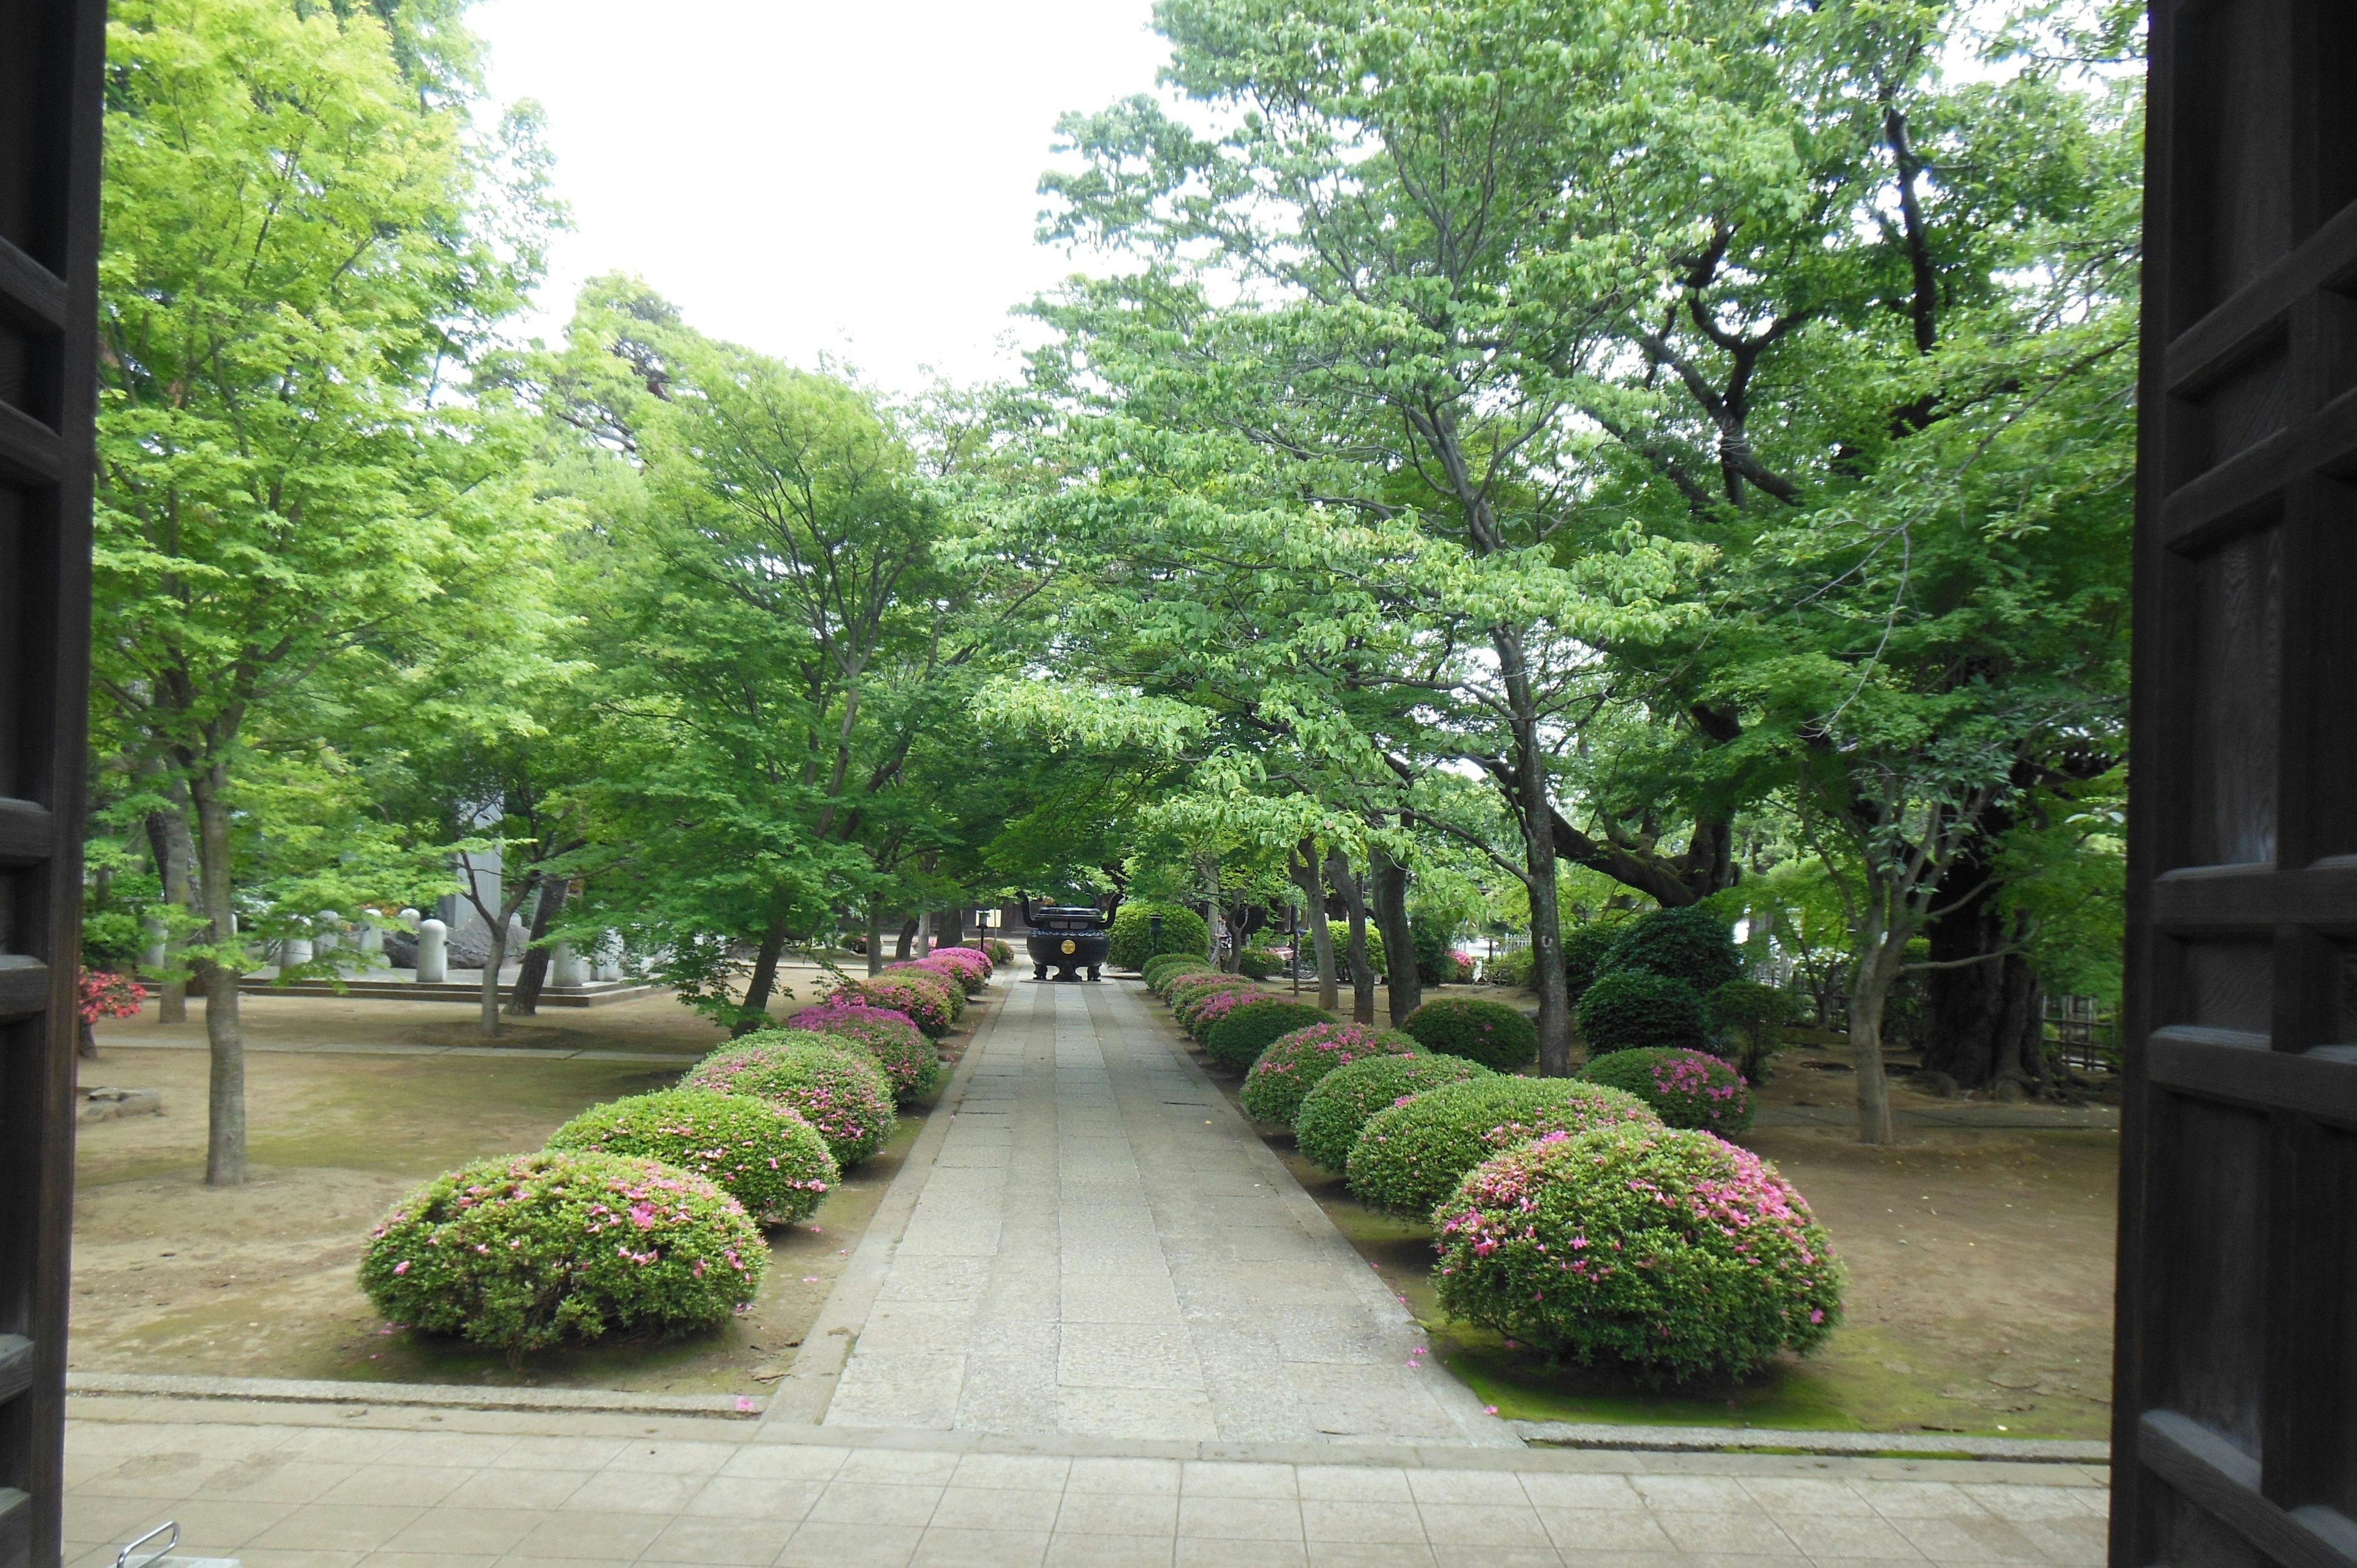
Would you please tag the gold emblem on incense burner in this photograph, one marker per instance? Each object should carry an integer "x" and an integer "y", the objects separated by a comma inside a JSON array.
[{"x": 1070, "y": 946}]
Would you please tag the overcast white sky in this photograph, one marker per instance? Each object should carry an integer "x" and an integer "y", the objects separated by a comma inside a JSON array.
[{"x": 851, "y": 178}]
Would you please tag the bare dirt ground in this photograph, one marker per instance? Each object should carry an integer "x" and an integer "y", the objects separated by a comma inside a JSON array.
[
  {"x": 171, "y": 1276},
  {"x": 1980, "y": 1297}
]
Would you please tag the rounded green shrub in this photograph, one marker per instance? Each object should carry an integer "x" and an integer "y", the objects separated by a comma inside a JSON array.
[
  {"x": 1669, "y": 1251},
  {"x": 762, "y": 1155},
  {"x": 1333, "y": 1113},
  {"x": 1001, "y": 952},
  {"x": 1296, "y": 1063},
  {"x": 1585, "y": 950},
  {"x": 1631, "y": 1009},
  {"x": 1509, "y": 967},
  {"x": 1258, "y": 963},
  {"x": 1411, "y": 1156},
  {"x": 1191, "y": 993},
  {"x": 1489, "y": 1033},
  {"x": 834, "y": 1087},
  {"x": 1690, "y": 944},
  {"x": 523, "y": 1251},
  {"x": 1746, "y": 1021},
  {"x": 1163, "y": 968},
  {"x": 1339, "y": 932},
  {"x": 1238, "y": 1036},
  {"x": 918, "y": 972},
  {"x": 1434, "y": 963},
  {"x": 1184, "y": 930},
  {"x": 912, "y": 1062},
  {"x": 1685, "y": 1088}
]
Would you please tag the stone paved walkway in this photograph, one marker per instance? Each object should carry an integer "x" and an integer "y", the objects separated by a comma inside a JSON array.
[{"x": 1101, "y": 1247}]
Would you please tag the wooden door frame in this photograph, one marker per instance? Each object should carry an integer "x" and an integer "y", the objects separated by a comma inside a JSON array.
[{"x": 51, "y": 56}]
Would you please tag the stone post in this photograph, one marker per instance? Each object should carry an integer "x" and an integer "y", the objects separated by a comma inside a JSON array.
[
  {"x": 293, "y": 951},
  {"x": 432, "y": 953},
  {"x": 566, "y": 968},
  {"x": 159, "y": 933},
  {"x": 326, "y": 931}
]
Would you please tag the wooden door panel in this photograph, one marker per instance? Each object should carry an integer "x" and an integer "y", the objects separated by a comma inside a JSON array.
[
  {"x": 2235, "y": 1441},
  {"x": 50, "y": 57}
]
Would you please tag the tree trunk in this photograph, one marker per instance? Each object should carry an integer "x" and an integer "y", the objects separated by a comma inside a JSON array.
[
  {"x": 488, "y": 1025},
  {"x": 1354, "y": 904},
  {"x": 224, "y": 1038},
  {"x": 1987, "y": 1018},
  {"x": 907, "y": 934},
  {"x": 950, "y": 927},
  {"x": 167, "y": 834},
  {"x": 1390, "y": 882},
  {"x": 1881, "y": 958},
  {"x": 758, "y": 990},
  {"x": 875, "y": 941},
  {"x": 924, "y": 933},
  {"x": 533, "y": 974},
  {"x": 1535, "y": 814},
  {"x": 1321, "y": 936}
]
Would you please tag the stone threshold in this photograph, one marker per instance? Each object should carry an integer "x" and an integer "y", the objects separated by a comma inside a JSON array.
[
  {"x": 1740, "y": 1439},
  {"x": 430, "y": 1396}
]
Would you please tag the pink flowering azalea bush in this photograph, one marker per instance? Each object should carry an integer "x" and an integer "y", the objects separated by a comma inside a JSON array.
[
  {"x": 971, "y": 969},
  {"x": 102, "y": 993},
  {"x": 1667, "y": 1250},
  {"x": 523, "y": 1251},
  {"x": 911, "y": 1061},
  {"x": 760, "y": 1153},
  {"x": 1335, "y": 1112},
  {"x": 1685, "y": 1088},
  {"x": 1411, "y": 1156},
  {"x": 1187, "y": 995},
  {"x": 1237, "y": 1035},
  {"x": 832, "y": 1084},
  {"x": 1296, "y": 1063},
  {"x": 923, "y": 999},
  {"x": 917, "y": 971}
]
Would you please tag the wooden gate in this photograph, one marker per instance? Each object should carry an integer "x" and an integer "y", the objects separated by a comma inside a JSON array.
[
  {"x": 2235, "y": 1437},
  {"x": 50, "y": 56}
]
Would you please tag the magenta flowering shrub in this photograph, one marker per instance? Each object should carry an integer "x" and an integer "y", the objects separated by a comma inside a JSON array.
[
  {"x": 1411, "y": 1156},
  {"x": 1335, "y": 1112},
  {"x": 523, "y": 1251},
  {"x": 1670, "y": 1251},
  {"x": 1685, "y": 1088},
  {"x": 832, "y": 1084},
  {"x": 947, "y": 986},
  {"x": 1208, "y": 1009},
  {"x": 1188, "y": 994},
  {"x": 915, "y": 995},
  {"x": 970, "y": 962},
  {"x": 1296, "y": 1063},
  {"x": 759, "y": 1152},
  {"x": 911, "y": 1061}
]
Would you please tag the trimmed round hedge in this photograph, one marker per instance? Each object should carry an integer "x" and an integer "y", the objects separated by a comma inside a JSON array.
[
  {"x": 922, "y": 998},
  {"x": 1184, "y": 930},
  {"x": 1333, "y": 1113},
  {"x": 1685, "y": 1088},
  {"x": 762, "y": 1155},
  {"x": 1690, "y": 944},
  {"x": 1411, "y": 1156},
  {"x": 971, "y": 974},
  {"x": 1191, "y": 995},
  {"x": 831, "y": 1084},
  {"x": 917, "y": 971},
  {"x": 956, "y": 954},
  {"x": 1339, "y": 933},
  {"x": 519, "y": 1252},
  {"x": 1585, "y": 951},
  {"x": 1296, "y": 1063},
  {"x": 1000, "y": 950},
  {"x": 1161, "y": 969},
  {"x": 1236, "y": 1037},
  {"x": 1670, "y": 1252},
  {"x": 1632, "y": 1009},
  {"x": 912, "y": 1062},
  {"x": 1489, "y": 1033}
]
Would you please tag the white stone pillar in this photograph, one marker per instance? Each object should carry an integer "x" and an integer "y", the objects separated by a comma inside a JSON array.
[
  {"x": 326, "y": 931},
  {"x": 565, "y": 968},
  {"x": 158, "y": 932},
  {"x": 432, "y": 953}
]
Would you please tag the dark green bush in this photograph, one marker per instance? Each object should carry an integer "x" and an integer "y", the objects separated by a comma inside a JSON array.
[
  {"x": 1746, "y": 1021},
  {"x": 1183, "y": 931},
  {"x": 1489, "y": 1033},
  {"x": 1690, "y": 944},
  {"x": 1411, "y": 1156},
  {"x": 1672, "y": 1253},
  {"x": 1434, "y": 963},
  {"x": 762, "y": 1155},
  {"x": 1584, "y": 951},
  {"x": 1332, "y": 1115},
  {"x": 1339, "y": 932},
  {"x": 1240, "y": 1036},
  {"x": 1630, "y": 1009},
  {"x": 1163, "y": 968},
  {"x": 1509, "y": 967},
  {"x": 1685, "y": 1088},
  {"x": 523, "y": 1251},
  {"x": 1258, "y": 963}
]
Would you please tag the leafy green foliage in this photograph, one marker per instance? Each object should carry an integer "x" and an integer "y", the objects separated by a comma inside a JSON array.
[
  {"x": 1685, "y": 1089},
  {"x": 1747, "y": 1021},
  {"x": 1335, "y": 1112},
  {"x": 1185, "y": 933},
  {"x": 1160, "y": 971},
  {"x": 1585, "y": 954},
  {"x": 1239, "y": 1038},
  {"x": 1411, "y": 1156},
  {"x": 761, "y": 1154},
  {"x": 1673, "y": 1254},
  {"x": 835, "y": 1086},
  {"x": 1490, "y": 1033},
  {"x": 1435, "y": 961},
  {"x": 1690, "y": 944},
  {"x": 1631, "y": 1009},
  {"x": 1298, "y": 1062},
  {"x": 523, "y": 1251}
]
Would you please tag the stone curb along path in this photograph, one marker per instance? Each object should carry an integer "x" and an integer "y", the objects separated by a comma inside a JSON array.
[{"x": 1087, "y": 1240}]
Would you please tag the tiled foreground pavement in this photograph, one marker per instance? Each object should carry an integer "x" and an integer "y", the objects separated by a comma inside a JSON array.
[
  {"x": 1101, "y": 1247},
  {"x": 315, "y": 1486},
  {"x": 1094, "y": 1323}
]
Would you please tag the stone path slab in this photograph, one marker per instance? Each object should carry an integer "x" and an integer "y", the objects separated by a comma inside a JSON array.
[{"x": 1099, "y": 1246}]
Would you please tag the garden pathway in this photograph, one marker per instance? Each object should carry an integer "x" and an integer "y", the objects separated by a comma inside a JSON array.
[{"x": 1099, "y": 1246}]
